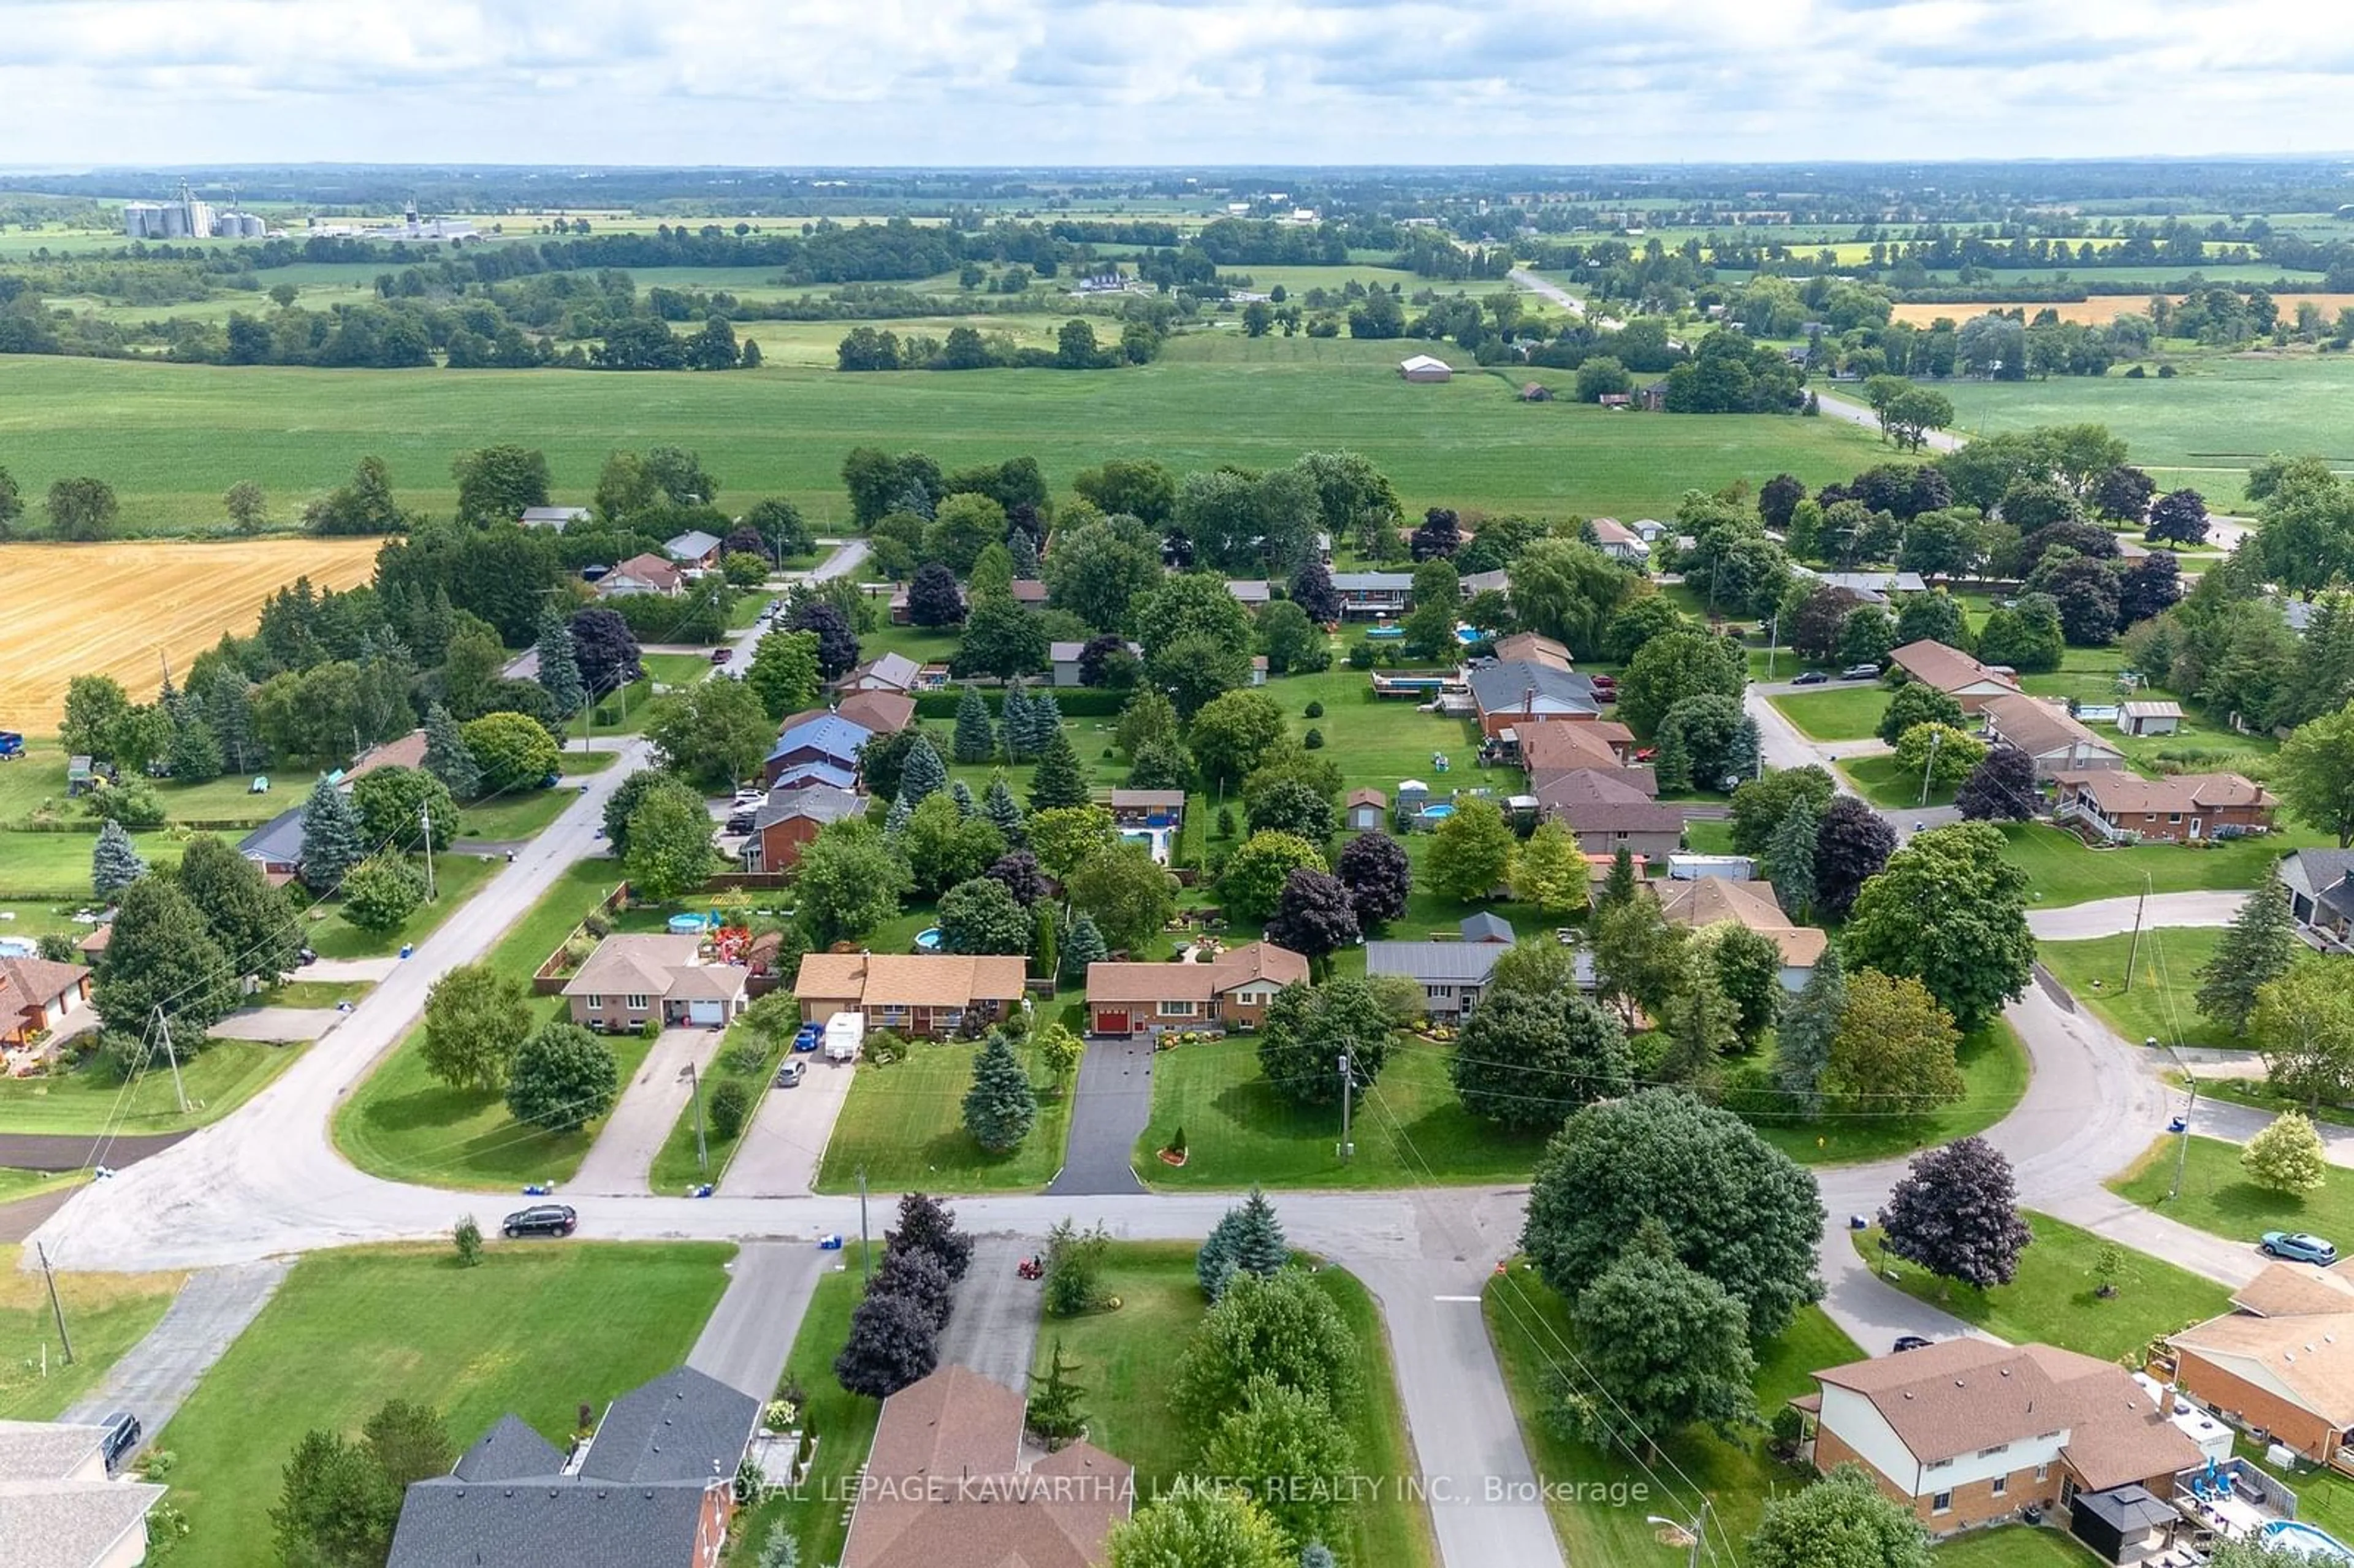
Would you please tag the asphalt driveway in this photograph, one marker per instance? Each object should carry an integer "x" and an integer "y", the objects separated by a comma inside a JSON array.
[
  {"x": 649, "y": 1109},
  {"x": 780, "y": 1151},
  {"x": 1111, "y": 1104}
]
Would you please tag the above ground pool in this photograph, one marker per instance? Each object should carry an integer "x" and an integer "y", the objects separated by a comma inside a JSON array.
[
  {"x": 18, "y": 947},
  {"x": 686, "y": 925},
  {"x": 2318, "y": 1545},
  {"x": 928, "y": 940},
  {"x": 1443, "y": 809}
]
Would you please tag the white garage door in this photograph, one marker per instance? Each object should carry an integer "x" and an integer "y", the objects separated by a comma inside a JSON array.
[{"x": 705, "y": 1012}]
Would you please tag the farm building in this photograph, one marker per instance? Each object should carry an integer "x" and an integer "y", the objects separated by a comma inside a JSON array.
[
  {"x": 1423, "y": 367},
  {"x": 2149, "y": 718}
]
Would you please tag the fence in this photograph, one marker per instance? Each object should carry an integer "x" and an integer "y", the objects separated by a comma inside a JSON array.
[{"x": 557, "y": 967}]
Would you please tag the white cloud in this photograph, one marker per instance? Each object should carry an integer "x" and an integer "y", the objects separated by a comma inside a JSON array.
[{"x": 988, "y": 81}]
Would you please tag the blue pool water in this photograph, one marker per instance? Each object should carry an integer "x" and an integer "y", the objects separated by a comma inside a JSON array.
[
  {"x": 1441, "y": 811},
  {"x": 1468, "y": 635},
  {"x": 1384, "y": 633},
  {"x": 686, "y": 925},
  {"x": 2316, "y": 1544},
  {"x": 928, "y": 940}
]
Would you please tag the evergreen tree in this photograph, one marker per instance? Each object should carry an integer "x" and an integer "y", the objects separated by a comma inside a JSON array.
[
  {"x": 2256, "y": 948},
  {"x": 1000, "y": 1107},
  {"x": 1672, "y": 766},
  {"x": 1004, "y": 812},
  {"x": 1085, "y": 945},
  {"x": 1024, "y": 551},
  {"x": 446, "y": 757},
  {"x": 961, "y": 793},
  {"x": 1258, "y": 1243},
  {"x": 1791, "y": 859},
  {"x": 332, "y": 841},
  {"x": 895, "y": 822},
  {"x": 1058, "y": 782},
  {"x": 1742, "y": 758},
  {"x": 1045, "y": 718},
  {"x": 1699, "y": 1026},
  {"x": 923, "y": 774},
  {"x": 976, "y": 739},
  {"x": 1622, "y": 884},
  {"x": 1016, "y": 718},
  {"x": 1802, "y": 1041},
  {"x": 1054, "y": 1412},
  {"x": 115, "y": 863},
  {"x": 196, "y": 756},
  {"x": 559, "y": 663}
]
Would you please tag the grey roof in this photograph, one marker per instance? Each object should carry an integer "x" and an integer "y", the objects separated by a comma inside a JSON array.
[
  {"x": 278, "y": 840},
  {"x": 2128, "y": 1508},
  {"x": 449, "y": 1523},
  {"x": 45, "y": 1450},
  {"x": 1443, "y": 963},
  {"x": 683, "y": 1426},
  {"x": 893, "y": 669},
  {"x": 71, "y": 1524},
  {"x": 1372, "y": 582},
  {"x": 552, "y": 516},
  {"x": 1480, "y": 582},
  {"x": 692, "y": 545},
  {"x": 1503, "y": 687},
  {"x": 507, "y": 1452},
  {"x": 1487, "y": 927},
  {"x": 819, "y": 802},
  {"x": 1065, "y": 652},
  {"x": 2326, "y": 875}
]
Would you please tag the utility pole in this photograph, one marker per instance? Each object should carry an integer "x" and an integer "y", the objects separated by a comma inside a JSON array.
[
  {"x": 865, "y": 1262},
  {"x": 701, "y": 1153},
  {"x": 1348, "y": 1083},
  {"x": 2182, "y": 1149},
  {"x": 1773, "y": 641},
  {"x": 56, "y": 1309},
  {"x": 163, "y": 1029},
  {"x": 2133, "y": 948},
  {"x": 1930, "y": 767},
  {"x": 424, "y": 820}
]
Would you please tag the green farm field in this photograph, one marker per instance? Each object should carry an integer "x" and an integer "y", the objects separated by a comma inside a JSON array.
[{"x": 171, "y": 438}]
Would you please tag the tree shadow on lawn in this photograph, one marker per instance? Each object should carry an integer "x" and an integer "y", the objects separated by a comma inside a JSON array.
[{"x": 393, "y": 1123}]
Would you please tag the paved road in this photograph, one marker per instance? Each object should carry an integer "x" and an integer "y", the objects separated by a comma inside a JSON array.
[
  {"x": 649, "y": 1109},
  {"x": 2115, "y": 916},
  {"x": 993, "y": 1328},
  {"x": 751, "y": 1331},
  {"x": 161, "y": 1371},
  {"x": 1112, "y": 1105},
  {"x": 779, "y": 1154},
  {"x": 72, "y": 1151}
]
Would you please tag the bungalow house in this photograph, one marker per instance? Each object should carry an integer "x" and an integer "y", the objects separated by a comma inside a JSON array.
[
  {"x": 1512, "y": 694},
  {"x": 695, "y": 550},
  {"x": 558, "y": 518},
  {"x": 1365, "y": 810},
  {"x": 1423, "y": 367},
  {"x": 928, "y": 994},
  {"x": 1702, "y": 901},
  {"x": 2320, "y": 883},
  {"x": 408, "y": 751},
  {"x": 2125, "y": 808},
  {"x": 790, "y": 818},
  {"x": 1251, "y": 593},
  {"x": 2282, "y": 1360},
  {"x": 2053, "y": 739},
  {"x": 59, "y": 1506},
  {"x": 1604, "y": 811},
  {"x": 654, "y": 1487},
  {"x": 1474, "y": 583},
  {"x": 1531, "y": 648},
  {"x": 1620, "y": 543},
  {"x": 276, "y": 846},
  {"x": 1550, "y": 748},
  {"x": 1953, "y": 673},
  {"x": 630, "y": 978},
  {"x": 1230, "y": 991},
  {"x": 1868, "y": 588},
  {"x": 1451, "y": 974},
  {"x": 884, "y": 672},
  {"x": 1147, "y": 808},
  {"x": 37, "y": 996},
  {"x": 1369, "y": 596},
  {"x": 829, "y": 740},
  {"x": 884, "y": 713},
  {"x": 947, "y": 1485},
  {"x": 641, "y": 575},
  {"x": 1967, "y": 1432},
  {"x": 2149, "y": 717}
]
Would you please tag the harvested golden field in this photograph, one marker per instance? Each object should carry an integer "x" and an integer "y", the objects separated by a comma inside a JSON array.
[
  {"x": 2102, "y": 309},
  {"x": 75, "y": 609}
]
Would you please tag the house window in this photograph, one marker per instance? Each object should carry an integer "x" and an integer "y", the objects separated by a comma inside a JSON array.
[
  {"x": 1941, "y": 1503},
  {"x": 594, "y": 1003},
  {"x": 1998, "y": 1448},
  {"x": 2001, "y": 1485},
  {"x": 2042, "y": 1474},
  {"x": 635, "y": 1003},
  {"x": 2174, "y": 816},
  {"x": 1176, "y": 1010}
]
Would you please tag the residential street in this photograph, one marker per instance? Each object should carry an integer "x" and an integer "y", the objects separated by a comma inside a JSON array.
[{"x": 634, "y": 1134}]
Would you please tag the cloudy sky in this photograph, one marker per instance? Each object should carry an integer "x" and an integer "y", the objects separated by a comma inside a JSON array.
[{"x": 1161, "y": 81}]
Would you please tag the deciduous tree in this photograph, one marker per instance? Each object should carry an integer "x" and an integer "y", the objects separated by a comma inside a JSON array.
[
  {"x": 1287, "y": 1447},
  {"x": 1122, "y": 893},
  {"x": 1851, "y": 848},
  {"x": 475, "y": 1017},
  {"x": 980, "y": 915},
  {"x": 514, "y": 753},
  {"x": 783, "y": 672},
  {"x": 1950, "y": 911},
  {"x": 1280, "y": 1328},
  {"x": 1663, "y": 1347},
  {"x": 1955, "y": 1213},
  {"x": 562, "y": 1079},
  {"x": 713, "y": 734},
  {"x": 1894, "y": 1053},
  {"x": 893, "y": 1342},
  {"x": 381, "y": 892},
  {"x": 1527, "y": 1060},
  {"x": 848, "y": 883},
  {"x": 1313, "y": 914},
  {"x": 1308, "y": 1031},
  {"x": 1375, "y": 868},
  {"x": 1470, "y": 852},
  {"x": 2315, "y": 773},
  {"x": 1843, "y": 1520},
  {"x": 1199, "y": 1528},
  {"x": 669, "y": 843},
  {"x": 2287, "y": 1155},
  {"x": 2303, "y": 1024}
]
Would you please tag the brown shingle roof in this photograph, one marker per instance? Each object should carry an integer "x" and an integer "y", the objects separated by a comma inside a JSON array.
[
  {"x": 1592, "y": 800},
  {"x": 908, "y": 980},
  {"x": 1129, "y": 982},
  {"x": 635, "y": 966},
  {"x": 651, "y": 569},
  {"x": 884, "y": 713},
  {"x": 2118, "y": 792},
  {"x": 1705, "y": 900},
  {"x": 1368, "y": 797},
  {"x": 408, "y": 751},
  {"x": 2036, "y": 727},
  {"x": 2306, "y": 1360},
  {"x": 1948, "y": 669},
  {"x": 2294, "y": 1290},
  {"x": 1534, "y": 648}
]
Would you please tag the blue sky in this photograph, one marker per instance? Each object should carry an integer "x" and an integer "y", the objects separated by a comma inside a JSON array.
[{"x": 1161, "y": 81}]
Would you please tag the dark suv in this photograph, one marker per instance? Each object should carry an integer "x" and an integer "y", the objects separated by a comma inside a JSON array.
[
  {"x": 542, "y": 1220},
  {"x": 121, "y": 1436}
]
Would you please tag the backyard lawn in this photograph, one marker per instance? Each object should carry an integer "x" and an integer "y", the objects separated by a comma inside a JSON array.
[
  {"x": 2061, "y": 870},
  {"x": 2218, "y": 1197},
  {"x": 904, "y": 1123},
  {"x": 2015, "y": 1546},
  {"x": 36, "y": 866},
  {"x": 1528, "y": 1324},
  {"x": 90, "y": 1099},
  {"x": 1125, "y": 1361},
  {"x": 2158, "y": 1005},
  {"x": 2052, "y": 1298},
  {"x": 537, "y": 1329},
  {"x": 108, "y": 1314},
  {"x": 1837, "y": 712}
]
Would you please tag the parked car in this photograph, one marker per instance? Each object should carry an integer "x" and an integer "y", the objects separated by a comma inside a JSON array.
[
  {"x": 806, "y": 1037},
  {"x": 1809, "y": 678},
  {"x": 2299, "y": 1246},
  {"x": 719, "y": 656},
  {"x": 741, "y": 821},
  {"x": 542, "y": 1220},
  {"x": 1860, "y": 672},
  {"x": 749, "y": 796},
  {"x": 121, "y": 1438},
  {"x": 790, "y": 1075},
  {"x": 1911, "y": 1343}
]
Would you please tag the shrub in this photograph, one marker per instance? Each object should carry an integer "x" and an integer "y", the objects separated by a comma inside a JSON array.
[
  {"x": 745, "y": 1057},
  {"x": 1315, "y": 710},
  {"x": 731, "y": 1101},
  {"x": 597, "y": 925},
  {"x": 467, "y": 1238},
  {"x": 882, "y": 1048},
  {"x": 1313, "y": 740}
]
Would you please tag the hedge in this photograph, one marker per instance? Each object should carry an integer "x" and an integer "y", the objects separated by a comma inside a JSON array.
[{"x": 1076, "y": 701}]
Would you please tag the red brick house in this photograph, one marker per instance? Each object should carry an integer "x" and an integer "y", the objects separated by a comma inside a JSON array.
[
  {"x": 2282, "y": 1359},
  {"x": 2182, "y": 808},
  {"x": 930, "y": 995},
  {"x": 36, "y": 996},
  {"x": 789, "y": 819},
  {"x": 630, "y": 978},
  {"x": 1230, "y": 991}
]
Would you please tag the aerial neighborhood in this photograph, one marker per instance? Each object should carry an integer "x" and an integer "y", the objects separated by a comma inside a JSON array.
[{"x": 1719, "y": 939}]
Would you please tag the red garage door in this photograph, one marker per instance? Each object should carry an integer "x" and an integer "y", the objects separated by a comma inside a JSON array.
[{"x": 1111, "y": 1020}]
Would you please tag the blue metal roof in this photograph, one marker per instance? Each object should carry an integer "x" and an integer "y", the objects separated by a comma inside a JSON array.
[{"x": 829, "y": 735}]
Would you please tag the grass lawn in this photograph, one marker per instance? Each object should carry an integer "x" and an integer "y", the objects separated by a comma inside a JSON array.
[
  {"x": 1528, "y": 1324},
  {"x": 2085, "y": 674},
  {"x": 843, "y": 1422},
  {"x": 1408, "y": 1129},
  {"x": 1709, "y": 836},
  {"x": 1994, "y": 1076},
  {"x": 315, "y": 993},
  {"x": 904, "y": 1123},
  {"x": 2165, "y": 980},
  {"x": 107, "y": 1313},
  {"x": 512, "y": 817},
  {"x": 2217, "y": 1196},
  {"x": 229, "y": 799},
  {"x": 674, "y": 1168},
  {"x": 1881, "y": 782},
  {"x": 90, "y": 1099},
  {"x": 17, "y": 1185},
  {"x": 2015, "y": 1546},
  {"x": 1125, "y": 1360},
  {"x": 676, "y": 669},
  {"x": 456, "y": 876},
  {"x": 538, "y": 1329},
  {"x": 2052, "y": 1298},
  {"x": 2061, "y": 870},
  {"x": 44, "y": 865},
  {"x": 1841, "y": 713}
]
